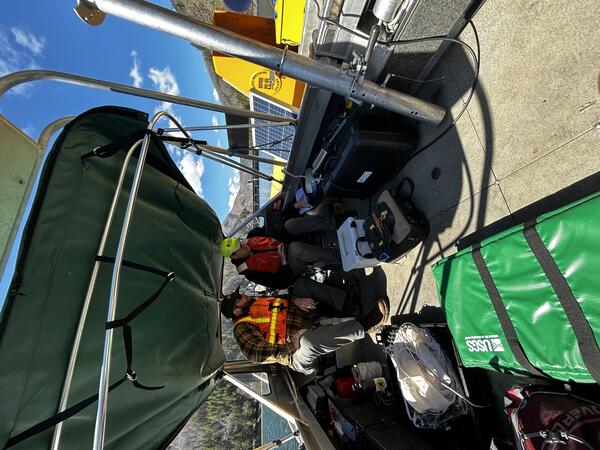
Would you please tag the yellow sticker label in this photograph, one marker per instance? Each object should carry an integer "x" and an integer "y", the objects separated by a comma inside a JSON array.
[{"x": 266, "y": 81}]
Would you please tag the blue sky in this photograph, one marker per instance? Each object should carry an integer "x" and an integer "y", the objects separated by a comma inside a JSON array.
[{"x": 48, "y": 35}]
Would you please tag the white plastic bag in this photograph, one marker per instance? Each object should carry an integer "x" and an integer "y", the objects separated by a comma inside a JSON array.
[{"x": 424, "y": 374}]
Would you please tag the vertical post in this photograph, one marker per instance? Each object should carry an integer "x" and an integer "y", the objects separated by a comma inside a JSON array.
[
  {"x": 64, "y": 398},
  {"x": 114, "y": 291}
]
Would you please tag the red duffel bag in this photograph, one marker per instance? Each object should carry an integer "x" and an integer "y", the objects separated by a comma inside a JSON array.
[{"x": 544, "y": 418}]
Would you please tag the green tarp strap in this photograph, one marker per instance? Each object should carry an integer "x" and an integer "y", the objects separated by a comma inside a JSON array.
[
  {"x": 54, "y": 420},
  {"x": 134, "y": 265},
  {"x": 108, "y": 150},
  {"x": 124, "y": 323},
  {"x": 128, "y": 344},
  {"x": 507, "y": 326},
  {"x": 581, "y": 327}
]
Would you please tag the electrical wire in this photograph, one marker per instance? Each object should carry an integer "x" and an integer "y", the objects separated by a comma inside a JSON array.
[
  {"x": 270, "y": 144},
  {"x": 290, "y": 174},
  {"x": 431, "y": 80},
  {"x": 475, "y": 56},
  {"x": 476, "y": 59}
]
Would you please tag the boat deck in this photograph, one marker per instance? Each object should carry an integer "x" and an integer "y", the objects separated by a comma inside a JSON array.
[{"x": 528, "y": 142}]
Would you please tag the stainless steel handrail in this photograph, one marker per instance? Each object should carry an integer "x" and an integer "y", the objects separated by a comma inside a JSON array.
[
  {"x": 100, "y": 427},
  {"x": 251, "y": 217},
  {"x": 50, "y": 129},
  {"x": 232, "y": 127},
  {"x": 269, "y": 404},
  {"x": 206, "y": 152},
  {"x": 224, "y": 151},
  {"x": 315, "y": 73},
  {"x": 64, "y": 398},
  {"x": 16, "y": 78}
]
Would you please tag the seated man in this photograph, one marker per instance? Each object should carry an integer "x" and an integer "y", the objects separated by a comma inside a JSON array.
[
  {"x": 280, "y": 329},
  {"x": 272, "y": 263}
]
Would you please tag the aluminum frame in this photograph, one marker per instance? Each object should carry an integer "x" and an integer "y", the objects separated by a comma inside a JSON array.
[
  {"x": 64, "y": 398},
  {"x": 313, "y": 72},
  {"x": 50, "y": 129},
  {"x": 232, "y": 127},
  {"x": 16, "y": 78},
  {"x": 100, "y": 427}
]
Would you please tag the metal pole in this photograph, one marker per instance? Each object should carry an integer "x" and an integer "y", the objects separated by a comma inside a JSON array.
[
  {"x": 228, "y": 152},
  {"x": 114, "y": 291},
  {"x": 218, "y": 150},
  {"x": 50, "y": 129},
  {"x": 14, "y": 79},
  {"x": 315, "y": 73},
  {"x": 236, "y": 165},
  {"x": 64, "y": 398},
  {"x": 269, "y": 404},
  {"x": 231, "y": 127},
  {"x": 251, "y": 218},
  {"x": 214, "y": 156},
  {"x": 278, "y": 442}
]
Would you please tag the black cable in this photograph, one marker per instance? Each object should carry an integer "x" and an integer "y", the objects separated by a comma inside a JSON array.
[
  {"x": 270, "y": 149},
  {"x": 475, "y": 56},
  {"x": 476, "y": 60},
  {"x": 337, "y": 186},
  {"x": 258, "y": 146}
]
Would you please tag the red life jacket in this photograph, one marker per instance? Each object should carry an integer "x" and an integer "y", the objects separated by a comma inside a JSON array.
[
  {"x": 269, "y": 315},
  {"x": 264, "y": 257}
]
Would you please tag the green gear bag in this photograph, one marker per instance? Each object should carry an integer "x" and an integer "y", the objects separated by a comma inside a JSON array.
[
  {"x": 527, "y": 301},
  {"x": 174, "y": 341}
]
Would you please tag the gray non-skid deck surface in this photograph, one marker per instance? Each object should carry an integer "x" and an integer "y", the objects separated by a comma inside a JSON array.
[{"x": 530, "y": 131}]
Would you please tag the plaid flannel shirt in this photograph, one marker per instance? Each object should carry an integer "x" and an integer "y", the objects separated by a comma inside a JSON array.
[{"x": 255, "y": 348}]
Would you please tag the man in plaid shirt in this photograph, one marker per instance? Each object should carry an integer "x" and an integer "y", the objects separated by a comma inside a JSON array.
[{"x": 300, "y": 343}]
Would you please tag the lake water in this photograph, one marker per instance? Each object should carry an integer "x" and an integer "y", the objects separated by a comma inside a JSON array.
[{"x": 274, "y": 427}]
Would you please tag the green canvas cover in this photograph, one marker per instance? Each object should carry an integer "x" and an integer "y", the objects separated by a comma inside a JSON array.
[
  {"x": 175, "y": 340},
  {"x": 528, "y": 299}
]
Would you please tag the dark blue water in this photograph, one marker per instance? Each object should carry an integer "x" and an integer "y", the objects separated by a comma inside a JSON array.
[{"x": 274, "y": 427}]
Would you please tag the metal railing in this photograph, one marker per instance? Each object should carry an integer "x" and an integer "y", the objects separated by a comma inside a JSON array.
[{"x": 316, "y": 73}]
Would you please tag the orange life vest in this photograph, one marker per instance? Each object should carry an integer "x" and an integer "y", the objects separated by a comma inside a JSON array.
[{"x": 269, "y": 314}]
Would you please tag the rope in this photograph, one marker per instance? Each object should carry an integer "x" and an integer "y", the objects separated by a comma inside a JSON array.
[
  {"x": 366, "y": 375},
  {"x": 366, "y": 371}
]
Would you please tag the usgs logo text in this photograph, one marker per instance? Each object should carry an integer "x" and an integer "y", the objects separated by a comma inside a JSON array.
[{"x": 484, "y": 343}]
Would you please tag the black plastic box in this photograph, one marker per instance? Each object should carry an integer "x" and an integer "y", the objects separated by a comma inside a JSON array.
[{"x": 366, "y": 158}]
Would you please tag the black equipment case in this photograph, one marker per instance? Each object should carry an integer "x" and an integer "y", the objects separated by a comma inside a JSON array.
[{"x": 366, "y": 156}]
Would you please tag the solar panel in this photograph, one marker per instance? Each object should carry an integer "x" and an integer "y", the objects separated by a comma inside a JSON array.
[{"x": 275, "y": 141}]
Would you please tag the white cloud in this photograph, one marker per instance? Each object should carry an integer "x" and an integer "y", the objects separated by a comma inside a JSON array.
[
  {"x": 164, "y": 81},
  {"x": 234, "y": 188},
  {"x": 219, "y": 144},
  {"x": 215, "y": 122},
  {"x": 34, "y": 43},
  {"x": 13, "y": 58},
  {"x": 192, "y": 167},
  {"x": 134, "y": 73},
  {"x": 215, "y": 95}
]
